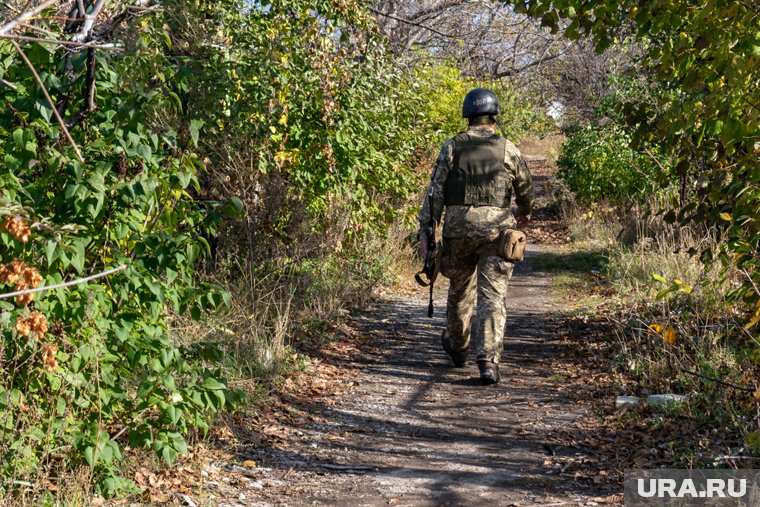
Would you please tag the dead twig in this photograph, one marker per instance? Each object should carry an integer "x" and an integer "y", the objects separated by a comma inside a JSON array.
[
  {"x": 412, "y": 23},
  {"x": 9, "y": 85},
  {"x": 718, "y": 381},
  {"x": 518, "y": 70},
  {"x": 646, "y": 150},
  {"x": 137, "y": 8},
  {"x": 38, "y": 29},
  {"x": 49, "y": 99},
  {"x": 6, "y": 28},
  {"x": 83, "y": 45}
]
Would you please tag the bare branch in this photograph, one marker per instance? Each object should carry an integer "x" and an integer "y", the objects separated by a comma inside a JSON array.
[
  {"x": 38, "y": 29},
  {"x": 82, "y": 45},
  {"x": 89, "y": 21},
  {"x": 513, "y": 71},
  {"x": 8, "y": 27},
  {"x": 412, "y": 23},
  {"x": 9, "y": 85},
  {"x": 64, "y": 284},
  {"x": 139, "y": 7}
]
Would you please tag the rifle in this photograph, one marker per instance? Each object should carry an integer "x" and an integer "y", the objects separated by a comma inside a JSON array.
[{"x": 432, "y": 265}]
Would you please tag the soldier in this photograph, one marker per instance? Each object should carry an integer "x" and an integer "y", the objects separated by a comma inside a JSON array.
[{"x": 473, "y": 178}]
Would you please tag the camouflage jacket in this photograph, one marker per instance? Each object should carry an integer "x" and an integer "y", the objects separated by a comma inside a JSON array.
[{"x": 476, "y": 221}]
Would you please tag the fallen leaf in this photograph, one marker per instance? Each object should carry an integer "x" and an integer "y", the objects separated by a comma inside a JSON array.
[{"x": 669, "y": 336}]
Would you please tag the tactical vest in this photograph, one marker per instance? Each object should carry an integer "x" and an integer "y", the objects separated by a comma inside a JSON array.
[{"x": 478, "y": 176}]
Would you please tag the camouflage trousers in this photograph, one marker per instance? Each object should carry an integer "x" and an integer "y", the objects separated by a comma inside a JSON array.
[{"x": 476, "y": 274}]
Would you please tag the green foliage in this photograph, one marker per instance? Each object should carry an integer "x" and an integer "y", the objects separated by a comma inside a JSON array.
[
  {"x": 707, "y": 58},
  {"x": 442, "y": 87},
  {"x": 282, "y": 125},
  {"x": 98, "y": 371},
  {"x": 598, "y": 163},
  {"x": 308, "y": 93}
]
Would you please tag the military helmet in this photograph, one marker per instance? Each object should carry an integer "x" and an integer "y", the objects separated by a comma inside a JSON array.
[{"x": 480, "y": 102}]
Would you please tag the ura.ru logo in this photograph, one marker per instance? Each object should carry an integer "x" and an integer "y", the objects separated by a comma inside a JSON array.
[{"x": 713, "y": 488}]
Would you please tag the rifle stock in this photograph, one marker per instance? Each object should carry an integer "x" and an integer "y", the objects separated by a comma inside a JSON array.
[{"x": 430, "y": 268}]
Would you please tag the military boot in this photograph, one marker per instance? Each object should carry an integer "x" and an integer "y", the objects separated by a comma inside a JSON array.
[
  {"x": 489, "y": 372},
  {"x": 459, "y": 360}
]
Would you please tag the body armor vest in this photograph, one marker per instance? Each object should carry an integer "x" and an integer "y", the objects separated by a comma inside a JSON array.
[{"x": 478, "y": 176}]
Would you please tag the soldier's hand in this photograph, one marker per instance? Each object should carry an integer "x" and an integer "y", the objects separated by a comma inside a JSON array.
[
  {"x": 522, "y": 220},
  {"x": 423, "y": 249}
]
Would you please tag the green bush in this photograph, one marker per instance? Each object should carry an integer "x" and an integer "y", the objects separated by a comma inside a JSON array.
[
  {"x": 708, "y": 123},
  {"x": 598, "y": 163},
  {"x": 442, "y": 88},
  {"x": 291, "y": 117}
]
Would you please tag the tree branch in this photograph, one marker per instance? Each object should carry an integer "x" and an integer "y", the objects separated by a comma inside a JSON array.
[
  {"x": 6, "y": 28},
  {"x": 64, "y": 284},
  {"x": 135, "y": 9},
  {"x": 412, "y": 23},
  {"x": 83, "y": 45},
  {"x": 512, "y": 72},
  {"x": 89, "y": 21},
  {"x": 9, "y": 85}
]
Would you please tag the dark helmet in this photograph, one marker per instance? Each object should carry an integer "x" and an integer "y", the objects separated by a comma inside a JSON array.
[{"x": 480, "y": 102}]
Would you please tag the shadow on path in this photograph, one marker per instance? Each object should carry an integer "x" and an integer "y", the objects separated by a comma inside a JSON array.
[{"x": 415, "y": 431}]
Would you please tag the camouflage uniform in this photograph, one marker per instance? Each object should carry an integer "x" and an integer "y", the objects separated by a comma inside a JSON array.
[{"x": 469, "y": 253}]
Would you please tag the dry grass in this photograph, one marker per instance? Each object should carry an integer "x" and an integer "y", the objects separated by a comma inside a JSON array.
[
  {"x": 683, "y": 335},
  {"x": 548, "y": 147}
]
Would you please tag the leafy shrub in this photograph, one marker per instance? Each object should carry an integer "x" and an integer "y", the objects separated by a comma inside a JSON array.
[
  {"x": 442, "y": 87},
  {"x": 598, "y": 163},
  {"x": 708, "y": 123},
  {"x": 289, "y": 116},
  {"x": 90, "y": 368}
]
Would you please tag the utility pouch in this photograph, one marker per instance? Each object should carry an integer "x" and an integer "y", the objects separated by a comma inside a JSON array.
[{"x": 512, "y": 244}]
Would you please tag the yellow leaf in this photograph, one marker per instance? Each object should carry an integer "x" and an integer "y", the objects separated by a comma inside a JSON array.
[
  {"x": 669, "y": 336},
  {"x": 726, "y": 217},
  {"x": 655, "y": 328},
  {"x": 752, "y": 322},
  {"x": 756, "y": 395}
]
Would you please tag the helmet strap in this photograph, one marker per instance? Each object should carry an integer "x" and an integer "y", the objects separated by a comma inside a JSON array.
[{"x": 485, "y": 119}]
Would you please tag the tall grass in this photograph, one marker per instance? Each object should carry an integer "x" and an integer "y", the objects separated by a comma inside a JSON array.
[{"x": 677, "y": 327}]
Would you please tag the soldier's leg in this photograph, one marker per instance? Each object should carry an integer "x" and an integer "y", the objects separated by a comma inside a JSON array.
[
  {"x": 493, "y": 276},
  {"x": 461, "y": 299}
]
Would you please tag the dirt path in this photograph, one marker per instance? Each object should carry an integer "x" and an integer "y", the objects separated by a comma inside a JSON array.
[
  {"x": 411, "y": 430},
  {"x": 408, "y": 429}
]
